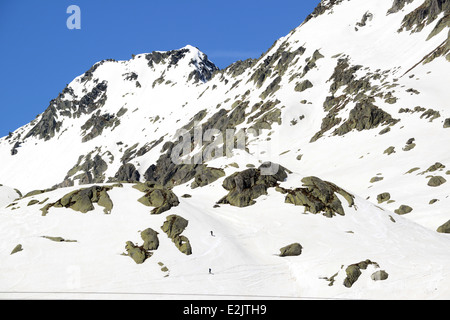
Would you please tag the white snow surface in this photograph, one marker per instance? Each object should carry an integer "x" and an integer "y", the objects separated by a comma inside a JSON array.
[{"x": 244, "y": 253}]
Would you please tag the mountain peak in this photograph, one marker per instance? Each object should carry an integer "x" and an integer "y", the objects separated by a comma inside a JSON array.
[{"x": 188, "y": 57}]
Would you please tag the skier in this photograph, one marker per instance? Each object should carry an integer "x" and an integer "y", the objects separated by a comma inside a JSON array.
[
  {"x": 210, "y": 271},
  {"x": 212, "y": 234}
]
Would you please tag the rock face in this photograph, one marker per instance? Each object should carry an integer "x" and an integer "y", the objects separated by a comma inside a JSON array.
[
  {"x": 319, "y": 196},
  {"x": 162, "y": 199},
  {"x": 206, "y": 176},
  {"x": 294, "y": 249},
  {"x": 365, "y": 116},
  {"x": 127, "y": 173},
  {"x": 245, "y": 186},
  {"x": 173, "y": 227}
]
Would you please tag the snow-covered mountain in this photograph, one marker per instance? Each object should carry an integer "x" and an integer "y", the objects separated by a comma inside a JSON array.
[{"x": 318, "y": 170}]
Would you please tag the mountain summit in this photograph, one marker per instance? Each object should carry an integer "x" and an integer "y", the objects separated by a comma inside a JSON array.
[{"x": 321, "y": 167}]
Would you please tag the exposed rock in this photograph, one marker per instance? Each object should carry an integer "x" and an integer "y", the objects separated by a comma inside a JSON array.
[
  {"x": 423, "y": 15},
  {"x": 205, "y": 175},
  {"x": 319, "y": 196},
  {"x": 16, "y": 249},
  {"x": 271, "y": 88},
  {"x": 246, "y": 186},
  {"x": 127, "y": 173},
  {"x": 366, "y": 17},
  {"x": 398, "y": 5},
  {"x": 365, "y": 116},
  {"x": 389, "y": 150},
  {"x": 403, "y": 209},
  {"x": 173, "y": 227},
  {"x": 379, "y": 275},
  {"x": 353, "y": 271},
  {"x": 435, "y": 167},
  {"x": 294, "y": 249},
  {"x": 321, "y": 8},
  {"x": 32, "y": 202},
  {"x": 376, "y": 179},
  {"x": 137, "y": 253},
  {"x": 141, "y": 253},
  {"x": 58, "y": 239},
  {"x": 89, "y": 169},
  {"x": 445, "y": 228},
  {"x": 83, "y": 200},
  {"x": 383, "y": 197},
  {"x": 447, "y": 123},
  {"x": 436, "y": 181},
  {"x": 150, "y": 238},
  {"x": 162, "y": 199},
  {"x": 304, "y": 85},
  {"x": 96, "y": 124}
]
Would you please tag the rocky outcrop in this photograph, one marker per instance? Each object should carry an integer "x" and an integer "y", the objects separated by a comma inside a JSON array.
[
  {"x": 127, "y": 173},
  {"x": 150, "y": 237},
  {"x": 445, "y": 228},
  {"x": 137, "y": 253},
  {"x": 321, "y": 8},
  {"x": 246, "y": 186},
  {"x": 446, "y": 123},
  {"x": 383, "y": 197},
  {"x": 95, "y": 125},
  {"x": 89, "y": 169},
  {"x": 162, "y": 199},
  {"x": 48, "y": 126},
  {"x": 16, "y": 249},
  {"x": 436, "y": 181},
  {"x": 365, "y": 116},
  {"x": 319, "y": 196},
  {"x": 83, "y": 200},
  {"x": 304, "y": 85},
  {"x": 353, "y": 271},
  {"x": 58, "y": 239},
  {"x": 379, "y": 275},
  {"x": 423, "y": 15},
  {"x": 294, "y": 249},
  {"x": 398, "y": 5},
  {"x": 173, "y": 227},
  {"x": 403, "y": 209},
  {"x": 140, "y": 253}
]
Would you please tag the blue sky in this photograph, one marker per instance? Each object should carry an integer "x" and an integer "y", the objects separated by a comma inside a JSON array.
[{"x": 39, "y": 55}]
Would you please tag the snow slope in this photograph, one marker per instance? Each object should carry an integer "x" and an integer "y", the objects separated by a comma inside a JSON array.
[{"x": 243, "y": 254}]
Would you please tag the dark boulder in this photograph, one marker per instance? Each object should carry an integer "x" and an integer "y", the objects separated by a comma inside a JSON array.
[
  {"x": 162, "y": 199},
  {"x": 246, "y": 186},
  {"x": 294, "y": 249},
  {"x": 319, "y": 196},
  {"x": 173, "y": 227}
]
